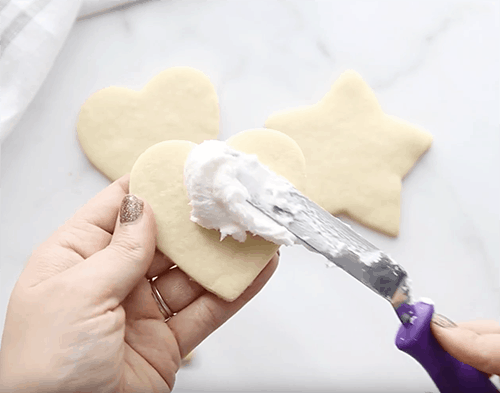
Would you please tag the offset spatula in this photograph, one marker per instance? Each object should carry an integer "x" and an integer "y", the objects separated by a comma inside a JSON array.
[{"x": 321, "y": 232}]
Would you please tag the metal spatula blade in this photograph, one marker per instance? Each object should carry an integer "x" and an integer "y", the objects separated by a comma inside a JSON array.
[{"x": 325, "y": 234}]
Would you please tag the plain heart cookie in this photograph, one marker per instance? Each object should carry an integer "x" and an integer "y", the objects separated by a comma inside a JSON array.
[
  {"x": 356, "y": 154},
  {"x": 226, "y": 267},
  {"x": 116, "y": 125}
]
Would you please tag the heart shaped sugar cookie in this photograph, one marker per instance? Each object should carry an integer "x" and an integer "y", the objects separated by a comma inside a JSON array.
[
  {"x": 226, "y": 267},
  {"x": 117, "y": 124}
]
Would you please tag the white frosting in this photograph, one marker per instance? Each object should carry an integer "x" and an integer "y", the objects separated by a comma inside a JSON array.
[
  {"x": 219, "y": 181},
  {"x": 370, "y": 257},
  {"x": 426, "y": 300}
]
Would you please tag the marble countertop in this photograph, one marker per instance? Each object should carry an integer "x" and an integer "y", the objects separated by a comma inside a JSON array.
[{"x": 434, "y": 64}]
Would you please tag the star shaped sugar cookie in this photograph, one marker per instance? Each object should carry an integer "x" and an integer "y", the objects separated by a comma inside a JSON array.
[{"x": 356, "y": 155}]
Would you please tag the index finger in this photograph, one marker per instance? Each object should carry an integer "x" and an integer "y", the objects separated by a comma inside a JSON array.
[
  {"x": 481, "y": 326},
  {"x": 481, "y": 351},
  {"x": 202, "y": 317}
]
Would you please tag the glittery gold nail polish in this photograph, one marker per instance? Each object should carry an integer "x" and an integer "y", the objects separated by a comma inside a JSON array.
[
  {"x": 443, "y": 321},
  {"x": 131, "y": 209}
]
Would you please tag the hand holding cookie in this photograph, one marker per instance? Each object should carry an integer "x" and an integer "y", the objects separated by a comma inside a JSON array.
[{"x": 97, "y": 308}]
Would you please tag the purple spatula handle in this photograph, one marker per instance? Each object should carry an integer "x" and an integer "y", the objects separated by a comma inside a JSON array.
[{"x": 449, "y": 375}]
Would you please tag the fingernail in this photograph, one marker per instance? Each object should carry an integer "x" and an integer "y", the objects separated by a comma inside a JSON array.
[
  {"x": 443, "y": 321},
  {"x": 131, "y": 209}
]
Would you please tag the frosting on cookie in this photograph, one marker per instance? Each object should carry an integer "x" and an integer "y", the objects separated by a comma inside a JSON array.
[{"x": 219, "y": 182}]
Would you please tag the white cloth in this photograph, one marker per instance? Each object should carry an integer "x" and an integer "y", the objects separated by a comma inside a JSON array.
[
  {"x": 92, "y": 7},
  {"x": 32, "y": 33}
]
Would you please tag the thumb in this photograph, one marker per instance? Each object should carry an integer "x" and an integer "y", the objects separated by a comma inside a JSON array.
[
  {"x": 478, "y": 348},
  {"x": 117, "y": 269}
]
